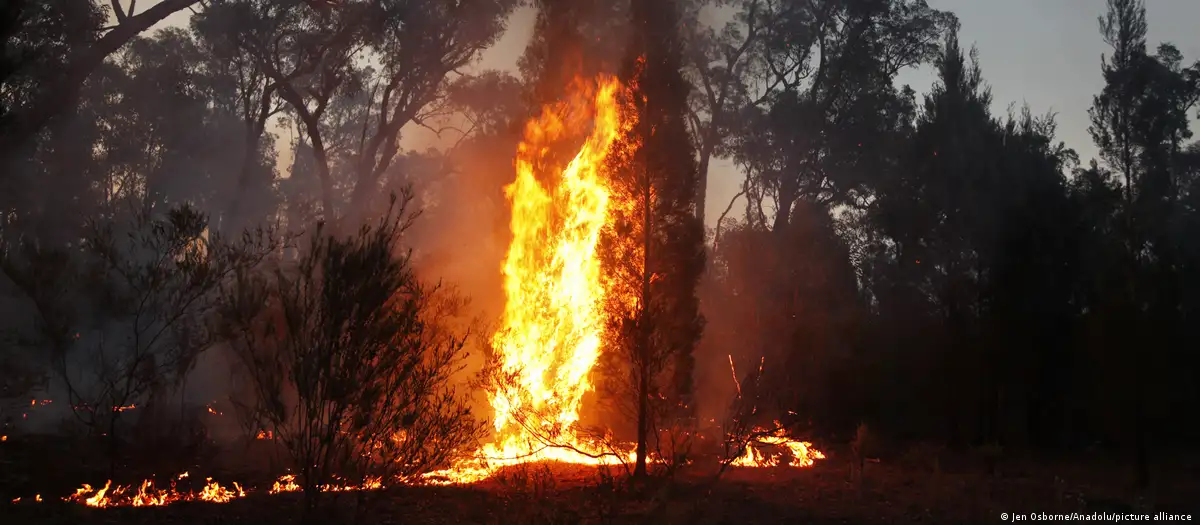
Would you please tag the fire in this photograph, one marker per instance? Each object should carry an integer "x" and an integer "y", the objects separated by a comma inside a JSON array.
[
  {"x": 147, "y": 495},
  {"x": 552, "y": 324},
  {"x": 802, "y": 453},
  {"x": 287, "y": 483}
]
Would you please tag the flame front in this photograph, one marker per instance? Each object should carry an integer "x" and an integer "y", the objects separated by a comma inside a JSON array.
[{"x": 147, "y": 495}]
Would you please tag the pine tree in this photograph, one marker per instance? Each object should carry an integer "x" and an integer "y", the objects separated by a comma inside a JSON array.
[{"x": 663, "y": 255}]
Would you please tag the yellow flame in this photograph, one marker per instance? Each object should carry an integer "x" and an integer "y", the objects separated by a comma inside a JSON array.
[
  {"x": 801, "y": 453},
  {"x": 147, "y": 495},
  {"x": 553, "y": 320}
]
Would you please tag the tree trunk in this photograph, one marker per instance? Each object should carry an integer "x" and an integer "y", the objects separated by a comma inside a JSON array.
[
  {"x": 234, "y": 219},
  {"x": 706, "y": 153},
  {"x": 256, "y": 124},
  {"x": 788, "y": 191},
  {"x": 643, "y": 344},
  {"x": 643, "y": 420},
  {"x": 321, "y": 156}
]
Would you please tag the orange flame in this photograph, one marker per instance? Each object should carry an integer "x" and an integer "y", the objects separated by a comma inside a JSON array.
[
  {"x": 757, "y": 454},
  {"x": 146, "y": 495},
  {"x": 551, "y": 328}
]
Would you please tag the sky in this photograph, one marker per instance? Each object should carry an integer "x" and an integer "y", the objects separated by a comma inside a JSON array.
[{"x": 1044, "y": 53}]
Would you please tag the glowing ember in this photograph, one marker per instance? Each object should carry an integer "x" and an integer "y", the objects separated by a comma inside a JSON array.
[{"x": 265, "y": 434}]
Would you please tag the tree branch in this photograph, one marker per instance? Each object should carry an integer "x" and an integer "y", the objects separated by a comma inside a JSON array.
[{"x": 21, "y": 124}]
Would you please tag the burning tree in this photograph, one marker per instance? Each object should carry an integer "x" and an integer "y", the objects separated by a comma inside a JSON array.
[
  {"x": 551, "y": 332},
  {"x": 349, "y": 360},
  {"x": 654, "y": 248}
]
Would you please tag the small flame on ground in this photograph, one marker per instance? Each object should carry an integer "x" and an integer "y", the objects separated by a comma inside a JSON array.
[
  {"x": 287, "y": 483},
  {"x": 757, "y": 453},
  {"x": 147, "y": 495}
]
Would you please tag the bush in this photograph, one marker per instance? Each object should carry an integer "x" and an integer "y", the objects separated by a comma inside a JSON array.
[{"x": 350, "y": 359}]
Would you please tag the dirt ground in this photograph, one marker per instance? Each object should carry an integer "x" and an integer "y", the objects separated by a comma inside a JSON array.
[{"x": 920, "y": 485}]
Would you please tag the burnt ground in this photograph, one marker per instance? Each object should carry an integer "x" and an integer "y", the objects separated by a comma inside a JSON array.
[{"x": 915, "y": 486}]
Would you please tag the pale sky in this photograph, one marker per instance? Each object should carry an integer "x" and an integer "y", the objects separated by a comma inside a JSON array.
[{"x": 1042, "y": 52}]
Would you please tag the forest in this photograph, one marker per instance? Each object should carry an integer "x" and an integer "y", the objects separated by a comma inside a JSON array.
[{"x": 328, "y": 258}]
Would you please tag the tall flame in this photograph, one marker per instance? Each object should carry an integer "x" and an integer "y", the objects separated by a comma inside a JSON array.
[{"x": 550, "y": 335}]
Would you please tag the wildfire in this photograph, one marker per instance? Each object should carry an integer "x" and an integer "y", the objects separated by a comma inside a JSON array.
[
  {"x": 552, "y": 325},
  {"x": 758, "y": 452},
  {"x": 551, "y": 328}
]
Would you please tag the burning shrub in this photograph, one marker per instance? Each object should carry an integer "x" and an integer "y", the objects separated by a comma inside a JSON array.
[{"x": 350, "y": 360}]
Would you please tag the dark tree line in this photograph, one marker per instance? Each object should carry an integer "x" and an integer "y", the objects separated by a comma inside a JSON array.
[{"x": 943, "y": 272}]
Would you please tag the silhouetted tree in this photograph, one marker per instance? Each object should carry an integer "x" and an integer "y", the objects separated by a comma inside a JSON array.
[
  {"x": 58, "y": 45},
  {"x": 656, "y": 247},
  {"x": 1139, "y": 122}
]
